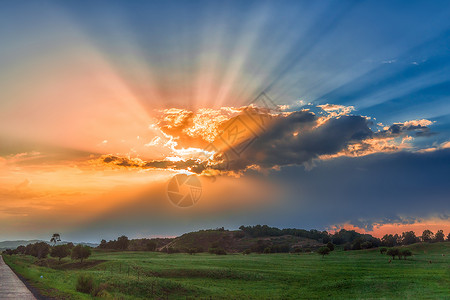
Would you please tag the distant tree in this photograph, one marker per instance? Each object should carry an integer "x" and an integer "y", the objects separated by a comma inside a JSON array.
[
  {"x": 427, "y": 236},
  {"x": 383, "y": 250},
  {"x": 409, "y": 237},
  {"x": 393, "y": 252},
  {"x": 60, "y": 251},
  {"x": 103, "y": 244},
  {"x": 439, "y": 236},
  {"x": 330, "y": 246},
  {"x": 388, "y": 240},
  {"x": 81, "y": 252},
  {"x": 448, "y": 237},
  {"x": 217, "y": 251},
  {"x": 405, "y": 253},
  {"x": 366, "y": 245},
  {"x": 151, "y": 246},
  {"x": 70, "y": 245},
  {"x": 323, "y": 251},
  {"x": 123, "y": 242},
  {"x": 56, "y": 237},
  {"x": 21, "y": 249},
  {"x": 247, "y": 251},
  {"x": 39, "y": 250}
]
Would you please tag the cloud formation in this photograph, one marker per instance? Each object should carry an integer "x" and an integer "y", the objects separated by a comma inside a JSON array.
[{"x": 231, "y": 140}]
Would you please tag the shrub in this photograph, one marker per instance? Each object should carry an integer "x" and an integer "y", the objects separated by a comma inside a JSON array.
[
  {"x": 393, "y": 252},
  {"x": 323, "y": 251},
  {"x": 81, "y": 252},
  {"x": 85, "y": 284},
  {"x": 99, "y": 290},
  {"x": 239, "y": 234},
  {"x": 217, "y": 251},
  {"x": 383, "y": 250},
  {"x": 330, "y": 246},
  {"x": 60, "y": 251},
  {"x": 247, "y": 251},
  {"x": 267, "y": 250},
  {"x": 405, "y": 253}
]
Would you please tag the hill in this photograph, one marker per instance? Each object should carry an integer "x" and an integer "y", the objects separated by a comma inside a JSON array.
[
  {"x": 237, "y": 241},
  {"x": 14, "y": 244}
]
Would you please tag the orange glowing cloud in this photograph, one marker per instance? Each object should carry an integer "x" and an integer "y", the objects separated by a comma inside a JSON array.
[{"x": 379, "y": 230}]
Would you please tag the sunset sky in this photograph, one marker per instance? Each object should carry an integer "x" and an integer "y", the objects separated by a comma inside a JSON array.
[{"x": 306, "y": 114}]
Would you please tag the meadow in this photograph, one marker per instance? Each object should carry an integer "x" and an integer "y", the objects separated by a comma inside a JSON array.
[{"x": 360, "y": 274}]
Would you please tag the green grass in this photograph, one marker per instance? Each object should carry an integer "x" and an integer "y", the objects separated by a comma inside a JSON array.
[{"x": 364, "y": 274}]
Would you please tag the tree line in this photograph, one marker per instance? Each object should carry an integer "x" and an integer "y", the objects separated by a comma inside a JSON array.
[{"x": 41, "y": 250}]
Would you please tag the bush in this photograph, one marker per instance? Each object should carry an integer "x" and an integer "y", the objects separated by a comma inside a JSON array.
[
  {"x": 60, "y": 251},
  {"x": 383, "y": 250},
  {"x": 239, "y": 234},
  {"x": 405, "y": 253},
  {"x": 247, "y": 251},
  {"x": 393, "y": 252},
  {"x": 267, "y": 250},
  {"x": 323, "y": 251},
  {"x": 99, "y": 290},
  {"x": 330, "y": 246},
  {"x": 85, "y": 284},
  {"x": 217, "y": 251},
  {"x": 81, "y": 252}
]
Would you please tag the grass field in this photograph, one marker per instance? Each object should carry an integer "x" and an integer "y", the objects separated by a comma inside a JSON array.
[{"x": 359, "y": 274}]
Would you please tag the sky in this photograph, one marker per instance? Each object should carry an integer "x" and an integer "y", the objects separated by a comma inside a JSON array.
[{"x": 156, "y": 118}]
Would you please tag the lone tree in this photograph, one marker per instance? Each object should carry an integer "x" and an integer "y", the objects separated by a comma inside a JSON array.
[
  {"x": 405, "y": 253},
  {"x": 330, "y": 246},
  {"x": 393, "y": 252},
  {"x": 56, "y": 237},
  {"x": 383, "y": 250},
  {"x": 60, "y": 251},
  {"x": 439, "y": 237},
  {"x": 324, "y": 251},
  {"x": 81, "y": 252}
]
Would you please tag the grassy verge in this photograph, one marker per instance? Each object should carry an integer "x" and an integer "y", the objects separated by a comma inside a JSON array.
[{"x": 364, "y": 274}]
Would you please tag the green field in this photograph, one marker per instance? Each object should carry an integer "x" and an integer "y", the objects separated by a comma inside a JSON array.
[{"x": 362, "y": 274}]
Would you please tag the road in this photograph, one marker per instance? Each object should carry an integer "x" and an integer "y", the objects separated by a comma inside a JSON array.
[{"x": 11, "y": 287}]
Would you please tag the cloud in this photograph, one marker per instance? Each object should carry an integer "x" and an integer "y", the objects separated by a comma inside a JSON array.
[{"x": 232, "y": 140}]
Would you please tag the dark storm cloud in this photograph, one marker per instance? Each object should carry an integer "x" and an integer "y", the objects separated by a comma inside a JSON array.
[
  {"x": 295, "y": 139},
  {"x": 398, "y": 129},
  {"x": 402, "y": 187}
]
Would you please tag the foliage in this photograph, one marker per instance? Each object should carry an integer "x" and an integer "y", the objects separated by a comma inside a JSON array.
[
  {"x": 81, "y": 252},
  {"x": 264, "y": 230},
  {"x": 323, "y": 251},
  {"x": 405, "y": 253},
  {"x": 85, "y": 283},
  {"x": 330, "y": 246},
  {"x": 427, "y": 236},
  {"x": 56, "y": 237},
  {"x": 218, "y": 251},
  {"x": 393, "y": 252},
  {"x": 383, "y": 250},
  {"x": 439, "y": 236},
  {"x": 60, "y": 251}
]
